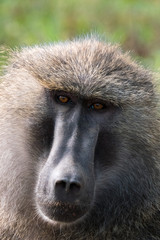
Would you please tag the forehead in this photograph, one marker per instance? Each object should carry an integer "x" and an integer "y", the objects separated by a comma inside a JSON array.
[{"x": 87, "y": 67}]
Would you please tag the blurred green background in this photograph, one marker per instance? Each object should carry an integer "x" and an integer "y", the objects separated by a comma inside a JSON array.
[{"x": 135, "y": 24}]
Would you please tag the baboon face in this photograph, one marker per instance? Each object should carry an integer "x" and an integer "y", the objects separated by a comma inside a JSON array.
[
  {"x": 90, "y": 94},
  {"x": 79, "y": 134},
  {"x": 79, "y": 141}
]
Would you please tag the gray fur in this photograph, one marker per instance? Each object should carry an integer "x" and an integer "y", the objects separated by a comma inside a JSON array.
[{"x": 127, "y": 193}]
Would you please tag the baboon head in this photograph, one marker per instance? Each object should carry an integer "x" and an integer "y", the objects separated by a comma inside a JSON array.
[{"x": 80, "y": 127}]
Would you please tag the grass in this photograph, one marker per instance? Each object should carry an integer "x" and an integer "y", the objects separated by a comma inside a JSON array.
[{"x": 134, "y": 24}]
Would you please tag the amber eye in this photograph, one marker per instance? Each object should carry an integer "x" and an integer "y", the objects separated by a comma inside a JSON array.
[
  {"x": 97, "y": 106},
  {"x": 63, "y": 99}
]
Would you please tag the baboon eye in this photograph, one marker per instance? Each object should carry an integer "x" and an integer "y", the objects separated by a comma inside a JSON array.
[
  {"x": 63, "y": 99},
  {"x": 97, "y": 106}
]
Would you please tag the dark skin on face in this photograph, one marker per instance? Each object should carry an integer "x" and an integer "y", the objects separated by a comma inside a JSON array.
[{"x": 66, "y": 184}]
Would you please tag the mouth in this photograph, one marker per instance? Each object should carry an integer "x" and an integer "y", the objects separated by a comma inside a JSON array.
[{"x": 63, "y": 212}]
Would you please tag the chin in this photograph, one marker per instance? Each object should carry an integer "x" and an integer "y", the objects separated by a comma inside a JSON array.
[{"x": 62, "y": 214}]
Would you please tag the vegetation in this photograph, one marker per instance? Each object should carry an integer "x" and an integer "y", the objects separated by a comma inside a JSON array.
[{"x": 133, "y": 23}]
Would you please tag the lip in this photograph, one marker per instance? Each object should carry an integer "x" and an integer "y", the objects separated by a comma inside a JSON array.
[{"x": 63, "y": 212}]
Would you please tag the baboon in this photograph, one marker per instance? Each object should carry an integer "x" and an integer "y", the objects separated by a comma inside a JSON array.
[{"x": 79, "y": 144}]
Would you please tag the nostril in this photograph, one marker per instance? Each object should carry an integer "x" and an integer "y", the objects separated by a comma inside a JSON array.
[
  {"x": 68, "y": 186},
  {"x": 61, "y": 184},
  {"x": 75, "y": 186}
]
